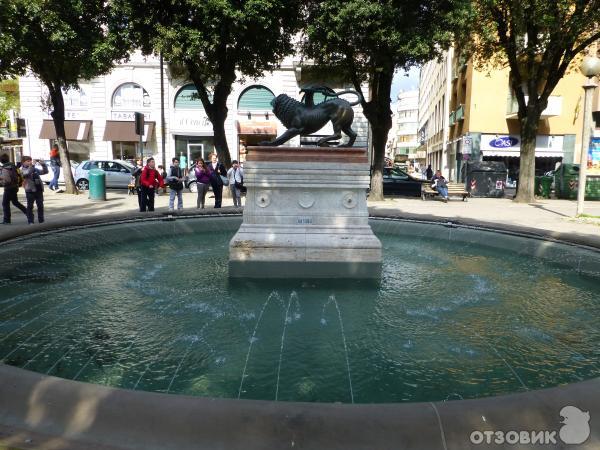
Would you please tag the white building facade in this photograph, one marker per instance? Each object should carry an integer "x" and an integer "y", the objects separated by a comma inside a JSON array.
[
  {"x": 407, "y": 126},
  {"x": 434, "y": 108},
  {"x": 100, "y": 115}
]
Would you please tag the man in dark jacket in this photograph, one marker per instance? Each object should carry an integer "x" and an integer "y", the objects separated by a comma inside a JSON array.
[
  {"x": 217, "y": 170},
  {"x": 11, "y": 188},
  {"x": 34, "y": 187}
]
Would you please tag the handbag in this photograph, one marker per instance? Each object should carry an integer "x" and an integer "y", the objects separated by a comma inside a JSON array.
[{"x": 224, "y": 180}]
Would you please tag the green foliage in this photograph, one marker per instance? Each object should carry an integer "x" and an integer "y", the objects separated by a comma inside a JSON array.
[
  {"x": 9, "y": 98},
  {"x": 61, "y": 41},
  {"x": 364, "y": 35}
]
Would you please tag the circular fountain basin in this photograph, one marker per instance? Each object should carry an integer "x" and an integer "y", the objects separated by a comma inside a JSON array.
[{"x": 459, "y": 314}]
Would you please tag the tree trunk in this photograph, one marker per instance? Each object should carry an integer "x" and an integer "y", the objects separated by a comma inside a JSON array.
[
  {"x": 526, "y": 186},
  {"x": 218, "y": 122},
  {"x": 58, "y": 117},
  {"x": 378, "y": 113}
]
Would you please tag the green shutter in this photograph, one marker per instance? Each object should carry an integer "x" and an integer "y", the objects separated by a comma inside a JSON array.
[
  {"x": 187, "y": 98},
  {"x": 256, "y": 98}
]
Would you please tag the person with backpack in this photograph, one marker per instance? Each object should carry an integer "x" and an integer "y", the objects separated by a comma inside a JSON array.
[
  {"x": 55, "y": 165},
  {"x": 10, "y": 179},
  {"x": 235, "y": 174},
  {"x": 150, "y": 180},
  {"x": 135, "y": 180},
  {"x": 175, "y": 182},
  {"x": 34, "y": 187}
]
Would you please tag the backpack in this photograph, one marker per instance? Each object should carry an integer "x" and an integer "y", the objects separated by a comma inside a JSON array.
[{"x": 9, "y": 177}]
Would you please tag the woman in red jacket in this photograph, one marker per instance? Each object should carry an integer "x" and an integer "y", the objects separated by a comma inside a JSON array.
[{"x": 150, "y": 180}]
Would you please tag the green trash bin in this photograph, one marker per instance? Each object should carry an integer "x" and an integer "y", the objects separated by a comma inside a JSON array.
[
  {"x": 545, "y": 186},
  {"x": 537, "y": 188},
  {"x": 566, "y": 182},
  {"x": 97, "y": 184}
]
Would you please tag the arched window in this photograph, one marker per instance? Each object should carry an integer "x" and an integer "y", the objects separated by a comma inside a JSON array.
[
  {"x": 76, "y": 98},
  {"x": 187, "y": 98},
  {"x": 130, "y": 96},
  {"x": 256, "y": 98}
]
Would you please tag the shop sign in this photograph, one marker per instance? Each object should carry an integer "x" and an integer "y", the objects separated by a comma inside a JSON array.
[
  {"x": 128, "y": 116},
  {"x": 467, "y": 145},
  {"x": 504, "y": 142},
  {"x": 199, "y": 122}
]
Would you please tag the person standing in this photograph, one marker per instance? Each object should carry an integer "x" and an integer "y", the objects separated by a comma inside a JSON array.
[
  {"x": 150, "y": 180},
  {"x": 9, "y": 176},
  {"x": 439, "y": 183},
  {"x": 34, "y": 187},
  {"x": 202, "y": 181},
  {"x": 429, "y": 172},
  {"x": 55, "y": 165},
  {"x": 136, "y": 174},
  {"x": 235, "y": 174},
  {"x": 175, "y": 182},
  {"x": 163, "y": 174},
  {"x": 217, "y": 170}
]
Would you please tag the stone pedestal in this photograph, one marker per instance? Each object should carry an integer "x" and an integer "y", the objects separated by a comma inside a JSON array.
[{"x": 305, "y": 215}]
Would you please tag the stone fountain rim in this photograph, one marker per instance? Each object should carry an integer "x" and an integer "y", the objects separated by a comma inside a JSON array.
[{"x": 39, "y": 410}]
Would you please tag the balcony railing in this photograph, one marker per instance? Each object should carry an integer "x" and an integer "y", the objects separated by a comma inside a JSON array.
[
  {"x": 452, "y": 118},
  {"x": 460, "y": 112},
  {"x": 553, "y": 109}
]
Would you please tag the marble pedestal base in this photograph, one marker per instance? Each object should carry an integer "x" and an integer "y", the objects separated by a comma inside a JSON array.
[{"x": 305, "y": 216}]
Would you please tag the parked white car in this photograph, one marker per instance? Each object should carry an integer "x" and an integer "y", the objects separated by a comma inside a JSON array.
[{"x": 118, "y": 173}]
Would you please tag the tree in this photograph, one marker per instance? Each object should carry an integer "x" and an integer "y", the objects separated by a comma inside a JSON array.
[
  {"x": 60, "y": 42},
  {"x": 539, "y": 39},
  {"x": 212, "y": 42},
  {"x": 368, "y": 40}
]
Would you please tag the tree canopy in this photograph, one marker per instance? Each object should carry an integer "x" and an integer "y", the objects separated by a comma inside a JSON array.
[
  {"x": 538, "y": 40},
  {"x": 367, "y": 40},
  {"x": 213, "y": 42},
  {"x": 60, "y": 42}
]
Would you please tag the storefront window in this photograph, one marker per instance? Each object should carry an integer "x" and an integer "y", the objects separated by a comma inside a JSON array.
[{"x": 127, "y": 151}]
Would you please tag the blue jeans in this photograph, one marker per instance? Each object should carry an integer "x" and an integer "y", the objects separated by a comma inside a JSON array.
[
  {"x": 443, "y": 191},
  {"x": 54, "y": 183},
  {"x": 172, "y": 195}
]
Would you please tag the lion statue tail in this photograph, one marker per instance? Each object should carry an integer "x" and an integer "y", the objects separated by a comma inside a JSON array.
[{"x": 351, "y": 91}]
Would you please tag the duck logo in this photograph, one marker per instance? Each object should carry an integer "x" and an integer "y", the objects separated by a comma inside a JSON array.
[{"x": 576, "y": 428}]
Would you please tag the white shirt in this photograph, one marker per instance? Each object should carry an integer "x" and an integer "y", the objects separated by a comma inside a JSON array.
[{"x": 235, "y": 175}]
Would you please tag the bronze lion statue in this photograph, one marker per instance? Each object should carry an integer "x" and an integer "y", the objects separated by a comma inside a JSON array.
[{"x": 304, "y": 118}]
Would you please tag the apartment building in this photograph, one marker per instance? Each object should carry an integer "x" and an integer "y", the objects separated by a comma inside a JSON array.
[
  {"x": 470, "y": 114},
  {"x": 406, "y": 127}
]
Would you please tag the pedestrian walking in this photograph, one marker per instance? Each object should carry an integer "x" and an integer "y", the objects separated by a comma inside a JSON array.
[
  {"x": 55, "y": 164},
  {"x": 202, "y": 181},
  {"x": 150, "y": 180},
  {"x": 34, "y": 187},
  {"x": 235, "y": 175},
  {"x": 175, "y": 182},
  {"x": 10, "y": 179},
  {"x": 217, "y": 174}
]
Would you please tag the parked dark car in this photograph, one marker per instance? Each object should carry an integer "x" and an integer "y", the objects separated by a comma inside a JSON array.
[{"x": 398, "y": 182}]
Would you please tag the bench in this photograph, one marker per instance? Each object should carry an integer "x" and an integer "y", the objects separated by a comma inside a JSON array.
[{"x": 454, "y": 190}]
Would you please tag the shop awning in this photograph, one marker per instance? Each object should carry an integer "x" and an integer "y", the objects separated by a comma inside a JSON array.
[
  {"x": 121, "y": 131},
  {"x": 75, "y": 130},
  {"x": 513, "y": 154},
  {"x": 251, "y": 127}
]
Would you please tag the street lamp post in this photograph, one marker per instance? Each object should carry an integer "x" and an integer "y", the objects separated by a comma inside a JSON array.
[{"x": 590, "y": 67}]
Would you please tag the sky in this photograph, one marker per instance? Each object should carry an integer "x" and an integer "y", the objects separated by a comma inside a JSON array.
[{"x": 404, "y": 81}]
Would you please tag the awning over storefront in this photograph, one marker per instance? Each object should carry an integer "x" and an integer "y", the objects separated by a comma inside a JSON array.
[
  {"x": 251, "y": 127},
  {"x": 75, "y": 130},
  {"x": 121, "y": 131}
]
